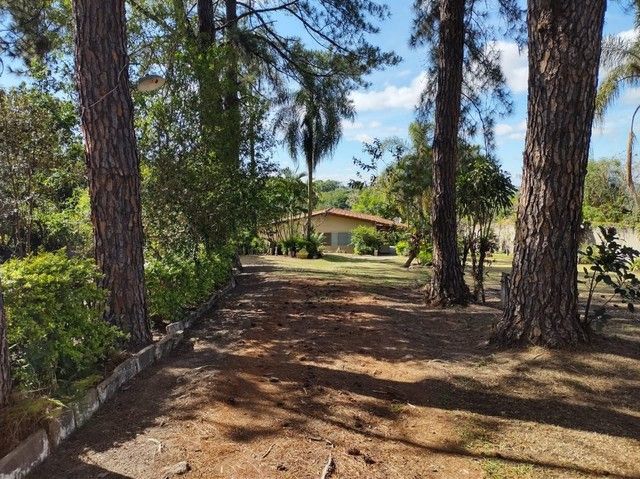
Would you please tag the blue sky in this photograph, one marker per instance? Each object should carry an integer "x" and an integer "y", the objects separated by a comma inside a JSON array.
[{"x": 387, "y": 107}]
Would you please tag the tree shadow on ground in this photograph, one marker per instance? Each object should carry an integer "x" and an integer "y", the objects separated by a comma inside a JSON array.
[{"x": 305, "y": 358}]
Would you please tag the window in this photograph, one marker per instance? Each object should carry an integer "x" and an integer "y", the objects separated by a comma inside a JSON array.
[
  {"x": 326, "y": 240},
  {"x": 344, "y": 239}
]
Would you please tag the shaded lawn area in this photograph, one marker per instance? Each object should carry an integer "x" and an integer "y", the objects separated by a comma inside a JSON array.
[{"x": 340, "y": 356}]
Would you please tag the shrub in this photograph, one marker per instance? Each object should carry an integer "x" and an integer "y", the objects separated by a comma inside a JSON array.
[
  {"x": 366, "y": 239},
  {"x": 425, "y": 255},
  {"x": 55, "y": 328},
  {"x": 292, "y": 244},
  {"x": 313, "y": 245},
  {"x": 402, "y": 248},
  {"x": 259, "y": 245},
  {"x": 176, "y": 283},
  {"x": 612, "y": 263},
  {"x": 302, "y": 254}
]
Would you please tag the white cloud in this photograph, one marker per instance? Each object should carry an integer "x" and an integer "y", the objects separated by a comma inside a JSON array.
[
  {"x": 391, "y": 97},
  {"x": 514, "y": 65},
  {"x": 631, "y": 96},
  {"x": 512, "y": 132},
  {"x": 365, "y": 132},
  {"x": 513, "y": 62},
  {"x": 362, "y": 138},
  {"x": 352, "y": 125}
]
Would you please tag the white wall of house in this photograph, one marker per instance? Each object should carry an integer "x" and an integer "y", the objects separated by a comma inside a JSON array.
[{"x": 337, "y": 228}]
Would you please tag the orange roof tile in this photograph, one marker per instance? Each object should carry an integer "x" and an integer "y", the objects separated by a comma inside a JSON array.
[{"x": 355, "y": 215}]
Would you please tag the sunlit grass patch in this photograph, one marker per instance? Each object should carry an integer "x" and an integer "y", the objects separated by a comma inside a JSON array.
[{"x": 496, "y": 469}]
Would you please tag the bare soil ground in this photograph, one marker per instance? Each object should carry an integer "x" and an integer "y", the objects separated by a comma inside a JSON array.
[{"x": 339, "y": 357}]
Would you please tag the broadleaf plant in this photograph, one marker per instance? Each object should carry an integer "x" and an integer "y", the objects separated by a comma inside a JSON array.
[{"x": 611, "y": 264}]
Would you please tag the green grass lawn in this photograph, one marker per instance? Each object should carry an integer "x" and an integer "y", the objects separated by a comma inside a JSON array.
[{"x": 387, "y": 270}]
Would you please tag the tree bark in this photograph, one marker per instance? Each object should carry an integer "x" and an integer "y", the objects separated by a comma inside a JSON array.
[
  {"x": 564, "y": 54},
  {"x": 5, "y": 373},
  {"x": 308, "y": 227},
  {"x": 447, "y": 285},
  {"x": 629, "y": 163},
  {"x": 414, "y": 249},
  {"x": 206, "y": 23},
  {"x": 232, "y": 100},
  {"x": 478, "y": 274},
  {"x": 102, "y": 77},
  {"x": 207, "y": 76}
]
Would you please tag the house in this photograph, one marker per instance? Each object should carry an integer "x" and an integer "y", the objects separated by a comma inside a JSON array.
[{"x": 337, "y": 224}]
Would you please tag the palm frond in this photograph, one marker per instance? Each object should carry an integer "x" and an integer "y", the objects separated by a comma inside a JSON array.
[
  {"x": 613, "y": 83},
  {"x": 615, "y": 51}
]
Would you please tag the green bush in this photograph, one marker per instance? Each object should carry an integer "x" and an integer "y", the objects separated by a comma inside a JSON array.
[
  {"x": 55, "y": 330},
  {"x": 366, "y": 239},
  {"x": 293, "y": 243},
  {"x": 402, "y": 248},
  {"x": 425, "y": 255},
  {"x": 313, "y": 246},
  {"x": 176, "y": 283},
  {"x": 259, "y": 246}
]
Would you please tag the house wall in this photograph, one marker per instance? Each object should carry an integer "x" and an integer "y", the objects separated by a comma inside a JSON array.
[{"x": 334, "y": 225}]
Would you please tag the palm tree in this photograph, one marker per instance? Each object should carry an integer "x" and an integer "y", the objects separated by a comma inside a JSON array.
[
  {"x": 311, "y": 122},
  {"x": 621, "y": 57}
]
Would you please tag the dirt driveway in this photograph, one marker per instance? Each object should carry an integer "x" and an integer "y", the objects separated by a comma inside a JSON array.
[{"x": 340, "y": 357}]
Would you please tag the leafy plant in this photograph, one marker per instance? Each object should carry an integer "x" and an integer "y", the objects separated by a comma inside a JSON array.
[
  {"x": 313, "y": 245},
  {"x": 366, "y": 240},
  {"x": 55, "y": 329},
  {"x": 291, "y": 244},
  {"x": 483, "y": 191},
  {"x": 611, "y": 264},
  {"x": 402, "y": 247},
  {"x": 176, "y": 283},
  {"x": 425, "y": 255},
  {"x": 259, "y": 245}
]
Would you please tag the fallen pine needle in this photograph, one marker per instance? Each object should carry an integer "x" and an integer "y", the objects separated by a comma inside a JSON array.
[
  {"x": 268, "y": 451},
  {"x": 320, "y": 439},
  {"x": 329, "y": 468}
]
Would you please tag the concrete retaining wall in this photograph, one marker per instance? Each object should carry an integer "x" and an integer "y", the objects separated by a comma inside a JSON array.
[
  {"x": 37, "y": 447},
  {"x": 506, "y": 233}
]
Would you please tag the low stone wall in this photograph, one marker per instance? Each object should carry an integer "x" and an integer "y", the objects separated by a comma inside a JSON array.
[
  {"x": 506, "y": 233},
  {"x": 37, "y": 447}
]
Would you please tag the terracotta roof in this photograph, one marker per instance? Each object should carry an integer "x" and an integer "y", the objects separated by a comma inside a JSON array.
[
  {"x": 379, "y": 220},
  {"x": 358, "y": 216}
]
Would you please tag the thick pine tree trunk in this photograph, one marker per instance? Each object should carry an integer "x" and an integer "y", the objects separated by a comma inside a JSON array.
[
  {"x": 447, "y": 285},
  {"x": 206, "y": 23},
  {"x": 564, "y": 53},
  {"x": 232, "y": 100},
  {"x": 208, "y": 82},
  {"x": 102, "y": 77},
  {"x": 5, "y": 374}
]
